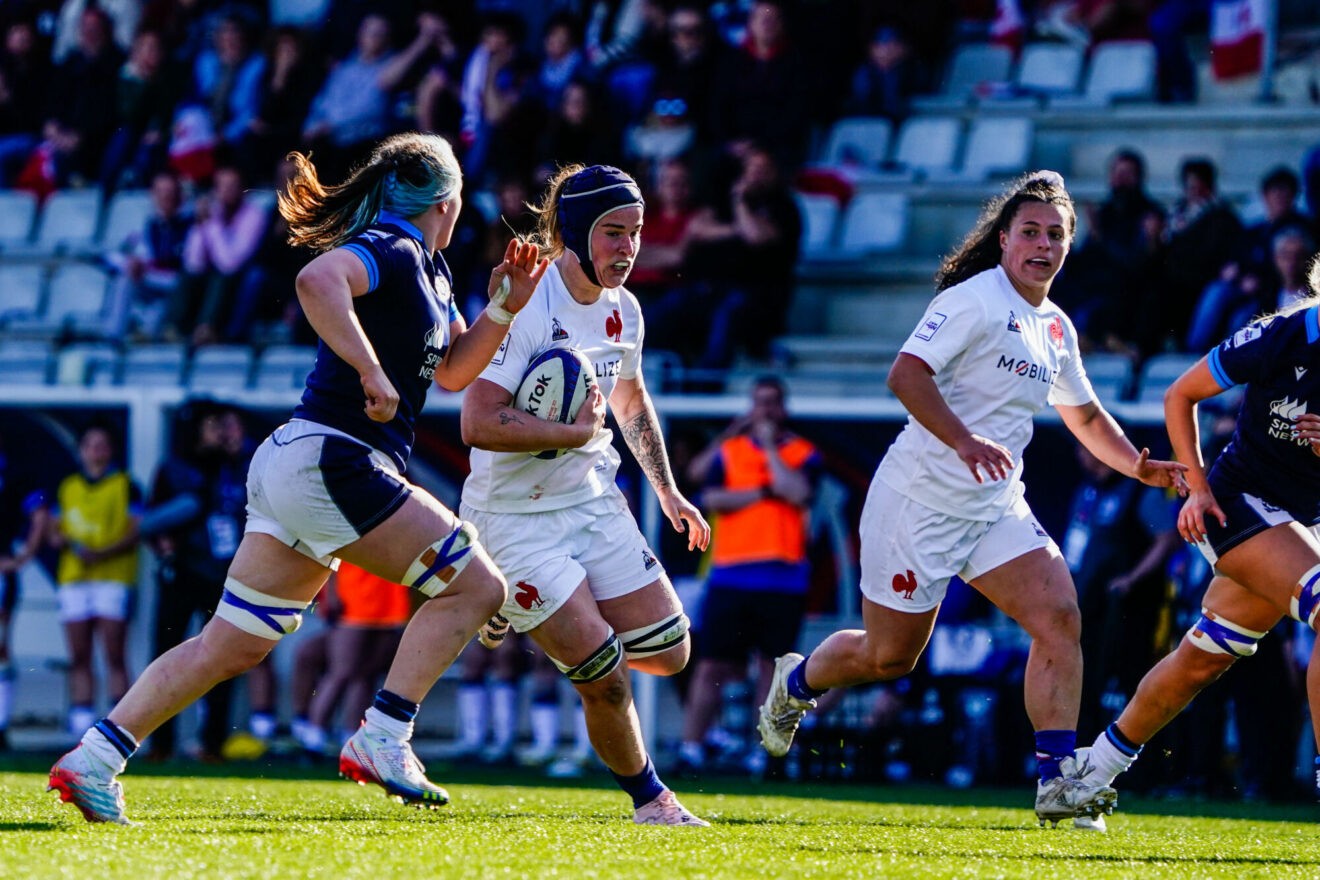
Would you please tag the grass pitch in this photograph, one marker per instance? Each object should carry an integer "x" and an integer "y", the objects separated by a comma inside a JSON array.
[{"x": 281, "y": 826}]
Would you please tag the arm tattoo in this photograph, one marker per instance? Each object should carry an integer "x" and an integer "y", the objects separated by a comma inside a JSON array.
[
  {"x": 647, "y": 444},
  {"x": 508, "y": 418}
]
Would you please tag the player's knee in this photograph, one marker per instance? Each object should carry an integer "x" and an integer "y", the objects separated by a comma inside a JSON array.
[
  {"x": 610, "y": 692},
  {"x": 662, "y": 648},
  {"x": 1058, "y": 621},
  {"x": 255, "y": 613},
  {"x": 597, "y": 677},
  {"x": 1218, "y": 643},
  {"x": 883, "y": 665},
  {"x": 441, "y": 564},
  {"x": 1305, "y": 602}
]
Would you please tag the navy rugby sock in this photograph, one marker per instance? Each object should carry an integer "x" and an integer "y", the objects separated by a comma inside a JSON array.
[
  {"x": 1052, "y": 746},
  {"x": 642, "y": 788}
]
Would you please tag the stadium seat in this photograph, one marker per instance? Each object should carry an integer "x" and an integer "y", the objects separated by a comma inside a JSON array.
[
  {"x": 75, "y": 304},
  {"x": 18, "y": 211},
  {"x": 1046, "y": 70},
  {"x": 997, "y": 146},
  {"x": 68, "y": 222},
  {"x": 25, "y": 361},
  {"x": 88, "y": 363},
  {"x": 154, "y": 365},
  {"x": 975, "y": 67},
  {"x": 820, "y": 216},
  {"x": 1123, "y": 70},
  {"x": 928, "y": 144},
  {"x": 1159, "y": 372},
  {"x": 874, "y": 221},
  {"x": 1110, "y": 374},
  {"x": 858, "y": 140},
  {"x": 283, "y": 367},
  {"x": 127, "y": 214},
  {"x": 220, "y": 367},
  {"x": 20, "y": 293}
]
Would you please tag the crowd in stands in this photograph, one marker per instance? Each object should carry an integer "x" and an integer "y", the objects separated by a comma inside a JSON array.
[{"x": 715, "y": 106}]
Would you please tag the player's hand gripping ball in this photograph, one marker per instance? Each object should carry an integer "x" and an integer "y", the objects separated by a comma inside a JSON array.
[{"x": 554, "y": 387}]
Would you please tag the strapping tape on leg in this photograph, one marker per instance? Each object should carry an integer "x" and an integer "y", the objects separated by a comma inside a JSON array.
[
  {"x": 656, "y": 638},
  {"x": 1305, "y": 603},
  {"x": 440, "y": 563},
  {"x": 601, "y": 663},
  {"x": 1215, "y": 635},
  {"x": 259, "y": 614}
]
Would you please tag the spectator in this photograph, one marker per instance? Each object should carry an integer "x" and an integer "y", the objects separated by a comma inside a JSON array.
[
  {"x": 760, "y": 92},
  {"x": 121, "y": 17},
  {"x": 220, "y": 246},
  {"x": 562, "y": 59},
  {"x": 493, "y": 82},
  {"x": 577, "y": 131},
  {"x": 81, "y": 108},
  {"x": 1119, "y": 539},
  {"x": 1239, "y": 293},
  {"x": 883, "y": 85},
  {"x": 150, "y": 265},
  {"x": 353, "y": 106},
  {"x": 746, "y": 251},
  {"x": 146, "y": 96},
  {"x": 759, "y": 478},
  {"x": 438, "y": 97},
  {"x": 488, "y": 703},
  {"x": 206, "y": 473},
  {"x": 687, "y": 70},
  {"x": 614, "y": 30},
  {"x": 1106, "y": 280},
  {"x": 95, "y": 527},
  {"x": 658, "y": 273},
  {"x": 227, "y": 79},
  {"x": 1279, "y": 189},
  {"x": 1204, "y": 233},
  {"x": 24, "y": 79},
  {"x": 24, "y": 510},
  {"x": 289, "y": 81},
  {"x": 666, "y": 133}
]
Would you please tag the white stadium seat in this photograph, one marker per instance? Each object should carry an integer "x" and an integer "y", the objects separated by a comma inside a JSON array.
[
  {"x": 858, "y": 140},
  {"x": 997, "y": 145},
  {"x": 127, "y": 214},
  {"x": 1110, "y": 374},
  {"x": 874, "y": 221},
  {"x": 1123, "y": 70},
  {"x": 282, "y": 367},
  {"x": 68, "y": 222},
  {"x": 20, "y": 292},
  {"x": 1050, "y": 69},
  {"x": 75, "y": 303},
  {"x": 18, "y": 211},
  {"x": 88, "y": 363},
  {"x": 820, "y": 217},
  {"x": 1159, "y": 372},
  {"x": 154, "y": 365},
  {"x": 25, "y": 362},
  {"x": 974, "y": 67},
  {"x": 928, "y": 144},
  {"x": 220, "y": 367}
]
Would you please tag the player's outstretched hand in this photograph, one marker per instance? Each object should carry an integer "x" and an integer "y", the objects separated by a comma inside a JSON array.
[
  {"x": 1191, "y": 519},
  {"x": 684, "y": 516},
  {"x": 978, "y": 452},
  {"x": 382, "y": 399},
  {"x": 514, "y": 280},
  {"x": 1162, "y": 474}
]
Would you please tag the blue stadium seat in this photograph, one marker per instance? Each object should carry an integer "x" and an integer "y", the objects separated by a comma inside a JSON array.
[
  {"x": 220, "y": 368},
  {"x": 25, "y": 361},
  {"x": 285, "y": 367},
  {"x": 18, "y": 212},
  {"x": 154, "y": 365},
  {"x": 20, "y": 293}
]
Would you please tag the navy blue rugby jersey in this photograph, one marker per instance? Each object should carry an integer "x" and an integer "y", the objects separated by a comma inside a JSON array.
[
  {"x": 1278, "y": 359},
  {"x": 406, "y": 315}
]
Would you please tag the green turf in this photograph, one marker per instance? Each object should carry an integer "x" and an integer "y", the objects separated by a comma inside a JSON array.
[{"x": 279, "y": 826}]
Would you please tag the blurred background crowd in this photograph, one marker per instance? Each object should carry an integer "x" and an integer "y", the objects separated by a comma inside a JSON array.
[{"x": 159, "y": 128}]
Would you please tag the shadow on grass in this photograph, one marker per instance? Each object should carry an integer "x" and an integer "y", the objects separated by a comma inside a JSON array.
[{"x": 32, "y": 826}]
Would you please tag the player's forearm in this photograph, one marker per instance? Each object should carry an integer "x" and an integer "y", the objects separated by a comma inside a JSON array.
[
  {"x": 1099, "y": 433},
  {"x": 470, "y": 353},
  {"x": 642, "y": 434},
  {"x": 505, "y": 429},
  {"x": 916, "y": 390},
  {"x": 1185, "y": 437}
]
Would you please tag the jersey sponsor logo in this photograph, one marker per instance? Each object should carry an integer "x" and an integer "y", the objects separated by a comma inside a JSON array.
[
  {"x": 1039, "y": 531},
  {"x": 906, "y": 584},
  {"x": 1281, "y": 425},
  {"x": 648, "y": 559},
  {"x": 557, "y": 331},
  {"x": 1056, "y": 332},
  {"x": 614, "y": 326},
  {"x": 433, "y": 344},
  {"x": 1300, "y": 371},
  {"x": 1026, "y": 369},
  {"x": 934, "y": 321},
  {"x": 1245, "y": 335},
  {"x": 1014, "y": 325},
  {"x": 607, "y": 369},
  {"x": 528, "y": 596}
]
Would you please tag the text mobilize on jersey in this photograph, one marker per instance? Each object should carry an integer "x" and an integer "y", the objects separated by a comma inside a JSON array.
[{"x": 1027, "y": 369}]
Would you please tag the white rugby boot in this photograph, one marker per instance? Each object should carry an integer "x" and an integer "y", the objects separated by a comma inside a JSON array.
[
  {"x": 781, "y": 712},
  {"x": 89, "y": 786},
  {"x": 391, "y": 764},
  {"x": 666, "y": 810},
  {"x": 1069, "y": 795}
]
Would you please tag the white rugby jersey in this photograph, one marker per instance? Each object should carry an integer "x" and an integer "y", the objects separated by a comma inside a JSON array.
[
  {"x": 997, "y": 361},
  {"x": 609, "y": 332}
]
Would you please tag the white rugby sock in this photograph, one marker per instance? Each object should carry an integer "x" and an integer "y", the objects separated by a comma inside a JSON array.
[
  {"x": 545, "y": 726},
  {"x": 503, "y": 714},
  {"x": 380, "y": 724},
  {"x": 472, "y": 715},
  {"x": 1108, "y": 760},
  {"x": 100, "y": 750}
]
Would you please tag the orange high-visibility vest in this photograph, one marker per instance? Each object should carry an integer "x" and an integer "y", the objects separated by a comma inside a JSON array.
[
  {"x": 371, "y": 601},
  {"x": 770, "y": 530}
]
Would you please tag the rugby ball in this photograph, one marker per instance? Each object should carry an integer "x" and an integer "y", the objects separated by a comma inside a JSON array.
[{"x": 553, "y": 388}]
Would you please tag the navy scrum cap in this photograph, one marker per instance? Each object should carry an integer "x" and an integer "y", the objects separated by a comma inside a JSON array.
[{"x": 585, "y": 198}]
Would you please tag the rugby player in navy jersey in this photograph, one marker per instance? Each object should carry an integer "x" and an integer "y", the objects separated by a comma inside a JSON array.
[
  {"x": 584, "y": 583},
  {"x": 328, "y": 485},
  {"x": 1255, "y": 516}
]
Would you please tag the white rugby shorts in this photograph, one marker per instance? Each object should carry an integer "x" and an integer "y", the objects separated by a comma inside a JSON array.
[
  {"x": 94, "y": 600},
  {"x": 909, "y": 551},
  {"x": 318, "y": 489},
  {"x": 545, "y": 556}
]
